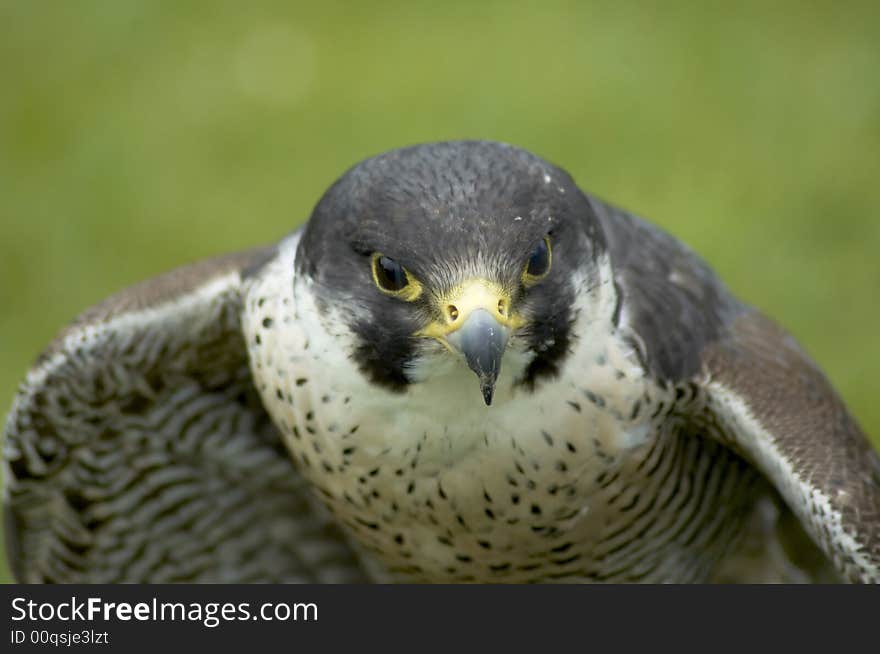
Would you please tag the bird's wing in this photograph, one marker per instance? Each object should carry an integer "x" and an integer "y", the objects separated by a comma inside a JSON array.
[
  {"x": 780, "y": 411},
  {"x": 137, "y": 449},
  {"x": 766, "y": 398}
]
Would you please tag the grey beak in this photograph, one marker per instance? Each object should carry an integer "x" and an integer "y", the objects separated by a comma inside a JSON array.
[{"x": 482, "y": 339}]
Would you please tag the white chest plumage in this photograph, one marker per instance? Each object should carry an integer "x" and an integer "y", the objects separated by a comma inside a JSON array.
[{"x": 439, "y": 486}]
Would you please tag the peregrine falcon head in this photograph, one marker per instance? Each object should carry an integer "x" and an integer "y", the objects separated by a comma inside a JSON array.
[{"x": 449, "y": 254}]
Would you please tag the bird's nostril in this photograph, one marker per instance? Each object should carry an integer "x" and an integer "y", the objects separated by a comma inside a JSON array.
[{"x": 452, "y": 312}]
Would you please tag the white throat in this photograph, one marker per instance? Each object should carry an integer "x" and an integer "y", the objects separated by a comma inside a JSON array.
[{"x": 425, "y": 460}]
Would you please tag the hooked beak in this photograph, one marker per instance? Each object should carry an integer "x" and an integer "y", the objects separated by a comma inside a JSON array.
[
  {"x": 482, "y": 339},
  {"x": 476, "y": 321}
]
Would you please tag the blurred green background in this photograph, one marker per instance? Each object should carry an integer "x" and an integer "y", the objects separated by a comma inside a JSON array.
[{"x": 137, "y": 136}]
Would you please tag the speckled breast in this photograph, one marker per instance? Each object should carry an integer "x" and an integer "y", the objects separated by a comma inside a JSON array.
[{"x": 586, "y": 479}]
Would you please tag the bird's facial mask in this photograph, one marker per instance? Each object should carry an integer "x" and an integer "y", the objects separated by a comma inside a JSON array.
[
  {"x": 473, "y": 319},
  {"x": 476, "y": 322}
]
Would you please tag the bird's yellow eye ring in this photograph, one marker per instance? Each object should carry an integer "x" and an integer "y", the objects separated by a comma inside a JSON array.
[
  {"x": 539, "y": 262},
  {"x": 393, "y": 279}
]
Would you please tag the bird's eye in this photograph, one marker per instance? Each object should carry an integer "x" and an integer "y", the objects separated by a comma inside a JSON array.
[
  {"x": 539, "y": 262},
  {"x": 389, "y": 274},
  {"x": 391, "y": 278}
]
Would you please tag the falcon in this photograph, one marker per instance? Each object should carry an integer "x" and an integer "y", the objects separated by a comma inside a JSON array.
[{"x": 463, "y": 368}]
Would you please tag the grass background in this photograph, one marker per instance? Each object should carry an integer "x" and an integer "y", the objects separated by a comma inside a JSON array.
[{"x": 137, "y": 136}]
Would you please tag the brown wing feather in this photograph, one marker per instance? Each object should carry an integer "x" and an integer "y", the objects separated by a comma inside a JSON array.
[
  {"x": 780, "y": 410},
  {"x": 137, "y": 449},
  {"x": 772, "y": 403}
]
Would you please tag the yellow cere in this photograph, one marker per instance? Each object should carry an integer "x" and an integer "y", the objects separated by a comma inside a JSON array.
[{"x": 456, "y": 305}]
